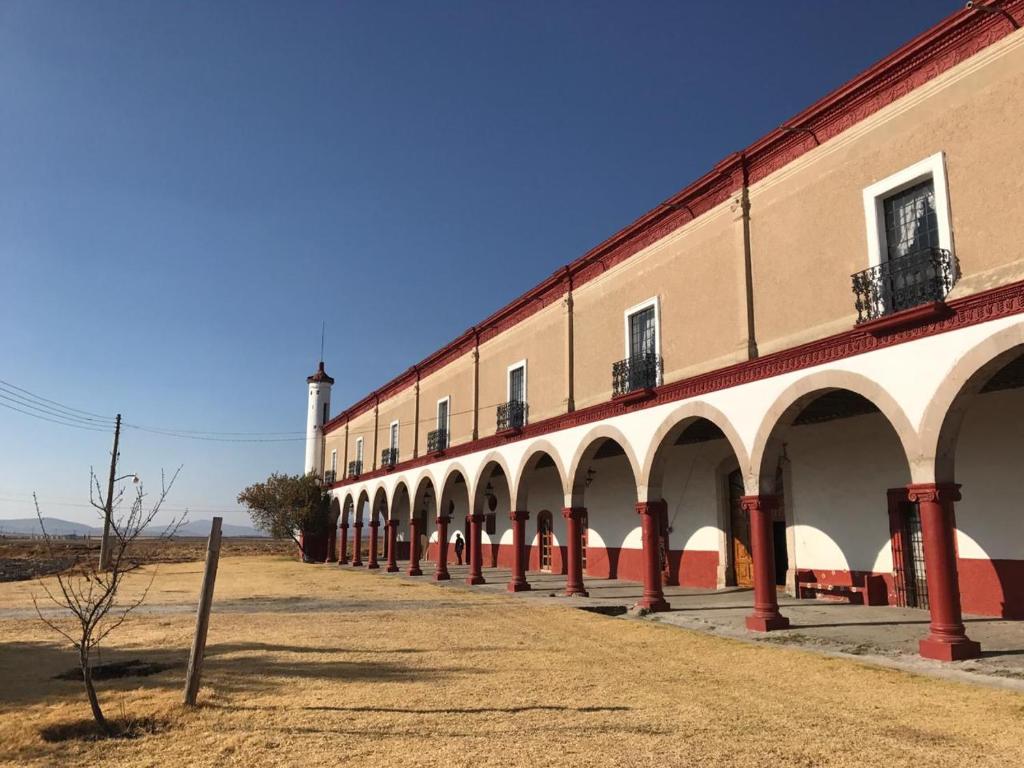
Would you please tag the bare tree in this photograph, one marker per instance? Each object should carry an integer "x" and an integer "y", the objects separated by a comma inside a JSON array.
[{"x": 89, "y": 593}]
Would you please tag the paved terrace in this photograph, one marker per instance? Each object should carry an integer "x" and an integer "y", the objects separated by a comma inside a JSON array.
[{"x": 882, "y": 635}]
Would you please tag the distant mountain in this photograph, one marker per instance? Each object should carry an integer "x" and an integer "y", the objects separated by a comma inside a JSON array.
[
  {"x": 29, "y": 526},
  {"x": 202, "y": 528}
]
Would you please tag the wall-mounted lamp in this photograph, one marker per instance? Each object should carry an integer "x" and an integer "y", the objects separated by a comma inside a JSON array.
[{"x": 591, "y": 474}]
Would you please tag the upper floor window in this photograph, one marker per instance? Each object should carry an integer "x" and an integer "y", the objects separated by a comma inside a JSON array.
[
  {"x": 394, "y": 435},
  {"x": 642, "y": 367},
  {"x": 334, "y": 462},
  {"x": 438, "y": 439},
  {"x": 359, "y": 450},
  {"x": 910, "y": 242},
  {"x": 512, "y": 413}
]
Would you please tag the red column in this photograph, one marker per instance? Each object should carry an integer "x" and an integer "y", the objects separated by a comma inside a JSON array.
[
  {"x": 373, "y": 543},
  {"x": 947, "y": 639},
  {"x": 343, "y": 557},
  {"x": 766, "y": 614},
  {"x": 357, "y": 544},
  {"x": 475, "y": 575},
  {"x": 414, "y": 547},
  {"x": 392, "y": 538},
  {"x": 651, "y": 513},
  {"x": 519, "y": 582},
  {"x": 441, "y": 572},
  {"x": 574, "y": 569}
]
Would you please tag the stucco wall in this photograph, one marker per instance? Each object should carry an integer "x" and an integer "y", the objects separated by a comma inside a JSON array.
[
  {"x": 839, "y": 474},
  {"x": 403, "y": 408},
  {"x": 361, "y": 426},
  {"x": 540, "y": 340},
  {"x": 697, "y": 275},
  {"x": 454, "y": 380},
  {"x": 808, "y": 230}
]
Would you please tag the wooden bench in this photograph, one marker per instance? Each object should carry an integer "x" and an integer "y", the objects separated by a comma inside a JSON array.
[{"x": 872, "y": 593}]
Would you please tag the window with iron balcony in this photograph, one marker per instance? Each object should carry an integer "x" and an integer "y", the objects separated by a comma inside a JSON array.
[
  {"x": 437, "y": 440},
  {"x": 389, "y": 457},
  {"x": 355, "y": 468}
]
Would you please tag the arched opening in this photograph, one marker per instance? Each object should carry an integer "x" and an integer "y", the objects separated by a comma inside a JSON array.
[
  {"x": 360, "y": 539},
  {"x": 696, "y": 471},
  {"x": 377, "y": 527},
  {"x": 540, "y": 489},
  {"x": 839, "y": 468},
  {"x": 453, "y": 512},
  {"x": 604, "y": 488},
  {"x": 398, "y": 517},
  {"x": 493, "y": 500},
  {"x": 424, "y": 508},
  {"x": 980, "y": 448}
]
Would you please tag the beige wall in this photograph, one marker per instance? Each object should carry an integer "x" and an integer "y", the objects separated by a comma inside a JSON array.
[
  {"x": 808, "y": 232},
  {"x": 454, "y": 380},
  {"x": 403, "y": 408},
  {"x": 335, "y": 441},
  {"x": 807, "y": 236},
  {"x": 540, "y": 340},
  {"x": 361, "y": 426},
  {"x": 697, "y": 275}
]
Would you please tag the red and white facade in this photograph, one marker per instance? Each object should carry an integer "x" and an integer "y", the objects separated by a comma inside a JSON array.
[{"x": 873, "y": 461}]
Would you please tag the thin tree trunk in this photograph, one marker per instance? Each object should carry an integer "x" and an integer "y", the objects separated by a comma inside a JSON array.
[{"x": 90, "y": 689}]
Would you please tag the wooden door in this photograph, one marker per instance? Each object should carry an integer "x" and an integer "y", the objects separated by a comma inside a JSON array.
[
  {"x": 544, "y": 533},
  {"x": 739, "y": 526}
]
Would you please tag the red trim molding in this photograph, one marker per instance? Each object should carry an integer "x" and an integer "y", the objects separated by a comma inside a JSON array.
[
  {"x": 951, "y": 41},
  {"x": 1005, "y": 301}
]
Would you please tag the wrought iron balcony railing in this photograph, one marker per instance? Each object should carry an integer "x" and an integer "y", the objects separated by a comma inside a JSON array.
[
  {"x": 634, "y": 373},
  {"x": 330, "y": 476},
  {"x": 355, "y": 468},
  {"x": 512, "y": 415},
  {"x": 902, "y": 283},
  {"x": 437, "y": 440},
  {"x": 389, "y": 457}
]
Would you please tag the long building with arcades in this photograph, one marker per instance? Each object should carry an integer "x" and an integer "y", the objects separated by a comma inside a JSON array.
[{"x": 801, "y": 373}]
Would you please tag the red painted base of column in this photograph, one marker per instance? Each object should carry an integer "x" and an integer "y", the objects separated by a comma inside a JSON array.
[
  {"x": 767, "y": 623},
  {"x": 519, "y": 586},
  {"x": 943, "y": 651},
  {"x": 371, "y": 566},
  {"x": 474, "y": 580},
  {"x": 392, "y": 569},
  {"x": 442, "y": 577},
  {"x": 654, "y": 604}
]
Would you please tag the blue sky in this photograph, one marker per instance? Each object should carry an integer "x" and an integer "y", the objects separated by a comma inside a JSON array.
[{"x": 188, "y": 189}]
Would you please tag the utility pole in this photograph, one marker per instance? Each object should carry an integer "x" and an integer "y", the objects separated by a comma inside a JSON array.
[
  {"x": 109, "y": 506},
  {"x": 195, "y": 659}
]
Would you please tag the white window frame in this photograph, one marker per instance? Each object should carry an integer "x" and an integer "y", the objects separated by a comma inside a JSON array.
[
  {"x": 359, "y": 450},
  {"x": 508, "y": 380},
  {"x": 934, "y": 168},
  {"x": 394, "y": 435},
  {"x": 655, "y": 302},
  {"x": 447, "y": 427}
]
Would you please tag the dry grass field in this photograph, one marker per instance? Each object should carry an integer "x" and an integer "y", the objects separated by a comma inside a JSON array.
[{"x": 319, "y": 665}]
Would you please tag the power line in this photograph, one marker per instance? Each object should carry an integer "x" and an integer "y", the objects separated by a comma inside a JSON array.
[
  {"x": 54, "y": 421},
  {"x": 53, "y": 402}
]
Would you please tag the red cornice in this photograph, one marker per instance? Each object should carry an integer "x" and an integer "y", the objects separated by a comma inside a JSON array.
[
  {"x": 981, "y": 307},
  {"x": 951, "y": 41}
]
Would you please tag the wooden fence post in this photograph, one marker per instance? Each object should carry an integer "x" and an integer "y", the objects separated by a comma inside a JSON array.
[{"x": 195, "y": 660}]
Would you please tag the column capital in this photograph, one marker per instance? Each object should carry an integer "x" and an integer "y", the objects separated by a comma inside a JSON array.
[
  {"x": 651, "y": 507},
  {"x": 938, "y": 492},
  {"x": 357, "y": 524},
  {"x": 442, "y": 520},
  {"x": 392, "y": 523},
  {"x": 374, "y": 523},
  {"x": 762, "y": 502},
  {"x": 476, "y": 517},
  {"x": 343, "y": 526},
  {"x": 574, "y": 513},
  {"x": 518, "y": 515}
]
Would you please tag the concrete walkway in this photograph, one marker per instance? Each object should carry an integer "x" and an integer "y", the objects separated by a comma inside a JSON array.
[{"x": 882, "y": 635}]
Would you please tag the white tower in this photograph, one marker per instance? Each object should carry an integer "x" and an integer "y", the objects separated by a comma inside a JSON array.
[{"x": 318, "y": 413}]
